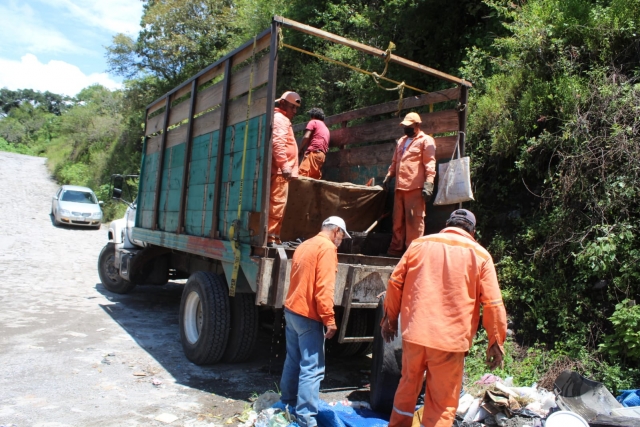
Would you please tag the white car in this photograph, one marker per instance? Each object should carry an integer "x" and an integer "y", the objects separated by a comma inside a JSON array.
[{"x": 76, "y": 206}]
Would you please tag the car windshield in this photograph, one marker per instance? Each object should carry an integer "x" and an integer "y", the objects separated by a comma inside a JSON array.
[{"x": 78, "y": 197}]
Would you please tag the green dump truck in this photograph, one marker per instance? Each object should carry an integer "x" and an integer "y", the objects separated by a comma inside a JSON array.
[{"x": 203, "y": 199}]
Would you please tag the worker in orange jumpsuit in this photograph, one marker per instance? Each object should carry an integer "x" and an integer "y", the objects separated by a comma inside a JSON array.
[
  {"x": 437, "y": 289},
  {"x": 310, "y": 319},
  {"x": 284, "y": 164},
  {"x": 414, "y": 167},
  {"x": 316, "y": 136}
]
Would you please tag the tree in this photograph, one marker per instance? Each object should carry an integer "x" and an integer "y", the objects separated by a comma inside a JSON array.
[{"x": 178, "y": 38}]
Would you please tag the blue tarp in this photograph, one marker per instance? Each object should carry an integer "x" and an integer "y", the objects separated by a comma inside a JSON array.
[
  {"x": 629, "y": 398},
  {"x": 344, "y": 416}
]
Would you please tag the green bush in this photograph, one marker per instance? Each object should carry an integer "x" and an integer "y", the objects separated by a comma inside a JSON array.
[{"x": 624, "y": 342}]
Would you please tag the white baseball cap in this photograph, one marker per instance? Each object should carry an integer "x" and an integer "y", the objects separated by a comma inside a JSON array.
[{"x": 336, "y": 220}]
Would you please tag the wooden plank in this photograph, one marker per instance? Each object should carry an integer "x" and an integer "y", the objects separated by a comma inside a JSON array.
[
  {"x": 240, "y": 79},
  {"x": 153, "y": 144},
  {"x": 209, "y": 97},
  {"x": 206, "y": 123},
  {"x": 155, "y": 106},
  {"x": 381, "y": 154},
  {"x": 389, "y": 107},
  {"x": 179, "y": 112},
  {"x": 438, "y": 122},
  {"x": 156, "y": 204},
  {"x": 462, "y": 118},
  {"x": 210, "y": 74},
  {"x": 369, "y": 50},
  {"x": 177, "y": 136},
  {"x": 154, "y": 125},
  {"x": 238, "y": 107},
  {"x": 245, "y": 53}
]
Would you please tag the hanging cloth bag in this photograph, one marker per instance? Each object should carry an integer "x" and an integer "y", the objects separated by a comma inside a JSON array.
[{"x": 454, "y": 179}]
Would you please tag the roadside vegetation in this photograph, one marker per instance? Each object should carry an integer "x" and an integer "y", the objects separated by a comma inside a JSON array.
[{"x": 553, "y": 136}]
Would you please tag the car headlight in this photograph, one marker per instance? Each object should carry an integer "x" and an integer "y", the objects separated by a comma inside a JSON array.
[
  {"x": 64, "y": 212},
  {"x": 97, "y": 215}
]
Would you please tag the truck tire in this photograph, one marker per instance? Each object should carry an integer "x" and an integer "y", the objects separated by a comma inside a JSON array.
[
  {"x": 205, "y": 317},
  {"x": 357, "y": 327},
  {"x": 386, "y": 367},
  {"x": 108, "y": 271},
  {"x": 244, "y": 328}
]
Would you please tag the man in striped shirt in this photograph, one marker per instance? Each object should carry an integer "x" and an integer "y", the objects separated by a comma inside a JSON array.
[{"x": 437, "y": 289}]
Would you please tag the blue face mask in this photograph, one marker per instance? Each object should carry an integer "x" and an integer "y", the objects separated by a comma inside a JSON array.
[{"x": 409, "y": 131}]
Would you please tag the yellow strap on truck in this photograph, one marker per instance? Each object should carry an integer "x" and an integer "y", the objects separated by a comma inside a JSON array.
[{"x": 235, "y": 241}]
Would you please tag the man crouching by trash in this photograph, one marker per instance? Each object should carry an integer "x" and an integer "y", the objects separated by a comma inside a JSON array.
[
  {"x": 308, "y": 311},
  {"x": 438, "y": 286}
]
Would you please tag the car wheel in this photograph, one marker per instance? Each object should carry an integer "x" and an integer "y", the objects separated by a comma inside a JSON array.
[
  {"x": 108, "y": 272},
  {"x": 55, "y": 220},
  {"x": 244, "y": 328},
  {"x": 386, "y": 366},
  {"x": 205, "y": 317}
]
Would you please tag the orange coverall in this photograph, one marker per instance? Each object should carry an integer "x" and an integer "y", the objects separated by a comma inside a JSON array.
[
  {"x": 437, "y": 289},
  {"x": 313, "y": 280},
  {"x": 284, "y": 157},
  {"x": 412, "y": 168},
  {"x": 312, "y": 164}
]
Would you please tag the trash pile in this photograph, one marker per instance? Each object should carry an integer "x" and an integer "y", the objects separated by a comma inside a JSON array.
[{"x": 491, "y": 401}]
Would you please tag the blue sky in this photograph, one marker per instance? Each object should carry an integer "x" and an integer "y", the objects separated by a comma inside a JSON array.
[{"x": 58, "y": 45}]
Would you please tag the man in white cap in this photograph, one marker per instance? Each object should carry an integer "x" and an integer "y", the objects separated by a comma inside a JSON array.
[
  {"x": 310, "y": 318},
  {"x": 414, "y": 167},
  {"x": 284, "y": 164}
]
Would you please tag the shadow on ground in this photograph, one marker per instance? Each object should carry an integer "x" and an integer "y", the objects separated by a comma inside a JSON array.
[{"x": 149, "y": 314}]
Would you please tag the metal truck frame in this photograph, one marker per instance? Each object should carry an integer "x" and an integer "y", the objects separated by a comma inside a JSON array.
[{"x": 186, "y": 221}]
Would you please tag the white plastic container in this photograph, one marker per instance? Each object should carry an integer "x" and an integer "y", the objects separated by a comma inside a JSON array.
[{"x": 566, "y": 419}]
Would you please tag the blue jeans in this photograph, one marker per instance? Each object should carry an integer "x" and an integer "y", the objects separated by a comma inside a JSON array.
[{"x": 303, "y": 368}]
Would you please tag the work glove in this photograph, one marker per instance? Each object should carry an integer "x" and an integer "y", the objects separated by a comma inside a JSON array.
[
  {"x": 386, "y": 182},
  {"x": 286, "y": 174},
  {"x": 387, "y": 330},
  {"x": 494, "y": 357},
  {"x": 427, "y": 191}
]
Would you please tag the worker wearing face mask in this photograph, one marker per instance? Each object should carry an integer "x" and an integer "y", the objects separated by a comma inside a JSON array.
[{"x": 414, "y": 167}]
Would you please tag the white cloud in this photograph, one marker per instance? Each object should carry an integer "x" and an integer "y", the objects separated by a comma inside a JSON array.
[
  {"x": 119, "y": 16},
  {"x": 55, "y": 76},
  {"x": 22, "y": 27}
]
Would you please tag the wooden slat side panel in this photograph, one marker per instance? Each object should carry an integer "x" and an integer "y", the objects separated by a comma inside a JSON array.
[
  {"x": 155, "y": 107},
  {"x": 358, "y": 165},
  {"x": 177, "y": 136},
  {"x": 390, "y": 107},
  {"x": 179, "y": 112},
  {"x": 206, "y": 123},
  {"x": 438, "y": 122},
  {"x": 246, "y": 53},
  {"x": 240, "y": 79},
  {"x": 238, "y": 107},
  {"x": 153, "y": 144},
  {"x": 154, "y": 124},
  {"x": 209, "y": 97},
  {"x": 211, "y": 74}
]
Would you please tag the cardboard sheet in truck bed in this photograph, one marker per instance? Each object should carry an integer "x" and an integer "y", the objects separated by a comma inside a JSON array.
[{"x": 311, "y": 201}]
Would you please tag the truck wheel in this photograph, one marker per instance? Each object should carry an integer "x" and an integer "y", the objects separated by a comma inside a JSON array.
[
  {"x": 357, "y": 327},
  {"x": 204, "y": 318},
  {"x": 108, "y": 271},
  {"x": 244, "y": 328},
  {"x": 386, "y": 367},
  {"x": 366, "y": 347}
]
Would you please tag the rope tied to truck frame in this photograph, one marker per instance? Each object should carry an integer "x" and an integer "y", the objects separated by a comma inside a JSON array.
[
  {"x": 400, "y": 86},
  {"x": 234, "y": 229}
]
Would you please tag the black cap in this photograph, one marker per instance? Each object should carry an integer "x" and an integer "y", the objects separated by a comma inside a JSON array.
[{"x": 465, "y": 215}]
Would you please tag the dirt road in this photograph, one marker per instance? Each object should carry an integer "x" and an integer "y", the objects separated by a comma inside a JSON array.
[{"x": 72, "y": 354}]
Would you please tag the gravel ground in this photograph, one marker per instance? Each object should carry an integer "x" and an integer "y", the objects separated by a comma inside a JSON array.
[{"x": 73, "y": 354}]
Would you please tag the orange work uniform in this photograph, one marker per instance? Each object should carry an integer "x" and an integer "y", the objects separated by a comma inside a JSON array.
[
  {"x": 413, "y": 164},
  {"x": 313, "y": 280},
  {"x": 284, "y": 157},
  {"x": 437, "y": 289},
  {"x": 311, "y": 165}
]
